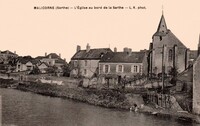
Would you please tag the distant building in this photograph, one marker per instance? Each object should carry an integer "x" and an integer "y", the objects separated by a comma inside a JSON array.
[
  {"x": 85, "y": 62},
  {"x": 26, "y": 63},
  {"x": 117, "y": 65},
  {"x": 52, "y": 59},
  {"x": 6, "y": 55},
  {"x": 43, "y": 67},
  {"x": 168, "y": 50}
]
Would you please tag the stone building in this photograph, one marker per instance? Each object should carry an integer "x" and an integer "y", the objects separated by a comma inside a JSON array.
[
  {"x": 117, "y": 65},
  {"x": 85, "y": 63},
  {"x": 166, "y": 50},
  {"x": 196, "y": 86}
]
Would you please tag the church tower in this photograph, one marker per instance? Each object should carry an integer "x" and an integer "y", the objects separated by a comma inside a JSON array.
[{"x": 166, "y": 50}]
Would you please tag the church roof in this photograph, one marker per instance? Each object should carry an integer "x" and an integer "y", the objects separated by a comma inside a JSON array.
[{"x": 168, "y": 38}]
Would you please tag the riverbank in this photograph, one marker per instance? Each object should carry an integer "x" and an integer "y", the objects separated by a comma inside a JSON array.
[{"x": 108, "y": 98}]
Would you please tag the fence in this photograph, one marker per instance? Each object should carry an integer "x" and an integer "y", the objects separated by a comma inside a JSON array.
[{"x": 162, "y": 100}]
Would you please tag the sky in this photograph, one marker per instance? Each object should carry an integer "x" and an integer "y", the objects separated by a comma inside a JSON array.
[{"x": 30, "y": 31}]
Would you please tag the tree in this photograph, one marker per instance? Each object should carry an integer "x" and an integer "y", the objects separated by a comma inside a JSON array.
[
  {"x": 173, "y": 72},
  {"x": 66, "y": 70},
  {"x": 35, "y": 70}
]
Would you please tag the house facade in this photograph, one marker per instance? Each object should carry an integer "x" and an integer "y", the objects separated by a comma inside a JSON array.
[
  {"x": 127, "y": 64},
  {"x": 85, "y": 63},
  {"x": 166, "y": 51}
]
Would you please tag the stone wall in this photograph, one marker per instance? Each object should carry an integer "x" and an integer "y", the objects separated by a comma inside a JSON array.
[{"x": 196, "y": 86}]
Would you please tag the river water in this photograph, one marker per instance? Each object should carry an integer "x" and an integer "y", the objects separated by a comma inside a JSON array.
[{"x": 28, "y": 109}]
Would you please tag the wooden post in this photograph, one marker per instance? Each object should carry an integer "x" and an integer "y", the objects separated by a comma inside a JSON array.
[{"x": 163, "y": 72}]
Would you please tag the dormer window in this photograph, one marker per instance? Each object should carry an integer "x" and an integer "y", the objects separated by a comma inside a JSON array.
[{"x": 101, "y": 55}]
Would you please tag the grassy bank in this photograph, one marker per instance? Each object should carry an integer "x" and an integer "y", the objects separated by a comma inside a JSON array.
[
  {"x": 6, "y": 83},
  {"x": 105, "y": 98}
]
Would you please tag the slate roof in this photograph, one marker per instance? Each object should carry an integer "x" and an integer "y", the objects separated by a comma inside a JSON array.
[
  {"x": 44, "y": 64},
  {"x": 123, "y": 57},
  {"x": 9, "y": 52},
  {"x": 92, "y": 54},
  {"x": 53, "y": 56},
  {"x": 26, "y": 59}
]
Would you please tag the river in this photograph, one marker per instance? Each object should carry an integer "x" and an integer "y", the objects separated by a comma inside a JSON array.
[{"x": 28, "y": 109}]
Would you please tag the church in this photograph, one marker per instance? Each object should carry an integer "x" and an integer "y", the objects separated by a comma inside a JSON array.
[{"x": 166, "y": 51}]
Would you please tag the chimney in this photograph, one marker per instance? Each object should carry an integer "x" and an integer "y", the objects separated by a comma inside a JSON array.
[
  {"x": 87, "y": 48},
  {"x": 45, "y": 54},
  {"x": 198, "y": 51},
  {"x": 60, "y": 55},
  {"x": 129, "y": 51},
  {"x": 115, "y": 49},
  {"x": 49, "y": 56},
  {"x": 125, "y": 49},
  {"x": 78, "y": 48},
  {"x": 14, "y": 52},
  {"x": 64, "y": 59},
  {"x": 7, "y": 52}
]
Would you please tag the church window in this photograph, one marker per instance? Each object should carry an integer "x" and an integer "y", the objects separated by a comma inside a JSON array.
[
  {"x": 160, "y": 38},
  {"x": 170, "y": 55}
]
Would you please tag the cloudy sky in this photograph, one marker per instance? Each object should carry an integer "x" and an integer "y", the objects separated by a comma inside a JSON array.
[{"x": 30, "y": 31}]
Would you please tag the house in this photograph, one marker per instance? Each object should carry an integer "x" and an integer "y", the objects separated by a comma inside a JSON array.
[
  {"x": 166, "y": 51},
  {"x": 117, "y": 65},
  {"x": 26, "y": 63},
  {"x": 52, "y": 59},
  {"x": 43, "y": 67},
  {"x": 6, "y": 56},
  {"x": 85, "y": 62}
]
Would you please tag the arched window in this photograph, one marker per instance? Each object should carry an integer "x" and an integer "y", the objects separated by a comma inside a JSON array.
[{"x": 170, "y": 55}]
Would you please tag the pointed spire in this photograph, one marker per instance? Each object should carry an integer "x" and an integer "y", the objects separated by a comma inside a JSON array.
[{"x": 162, "y": 27}]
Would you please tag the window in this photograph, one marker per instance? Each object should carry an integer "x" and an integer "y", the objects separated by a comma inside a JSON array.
[
  {"x": 119, "y": 68},
  {"x": 135, "y": 69},
  {"x": 85, "y": 62},
  {"x": 75, "y": 63},
  {"x": 170, "y": 55},
  {"x": 106, "y": 68},
  {"x": 160, "y": 38},
  {"x": 85, "y": 71}
]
